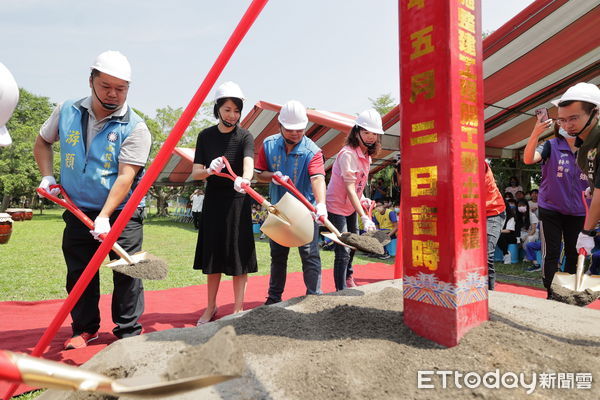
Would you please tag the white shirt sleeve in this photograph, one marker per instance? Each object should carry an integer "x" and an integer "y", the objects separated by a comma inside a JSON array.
[
  {"x": 49, "y": 130},
  {"x": 136, "y": 148},
  {"x": 510, "y": 225},
  {"x": 532, "y": 218}
]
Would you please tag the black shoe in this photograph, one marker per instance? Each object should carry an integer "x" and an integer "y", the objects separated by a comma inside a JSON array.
[
  {"x": 271, "y": 301},
  {"x": 384, "y": 256},
  {"x": 534, "y": 268}
]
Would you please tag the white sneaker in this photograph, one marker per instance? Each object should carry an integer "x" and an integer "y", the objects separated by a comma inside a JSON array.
[{"x": 507, "y": 259}]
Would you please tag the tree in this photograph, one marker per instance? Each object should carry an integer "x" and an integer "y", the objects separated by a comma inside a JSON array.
[
  {"x": 160, "y": 127},
  {"x": 19, "y": 174},
  {"x": 384, "y": 103}
]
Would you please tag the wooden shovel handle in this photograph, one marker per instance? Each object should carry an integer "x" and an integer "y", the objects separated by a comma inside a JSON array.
[
  {"x": 251, "y": 192},
  {"x": 290, "y": 186},
  {"x": 69, "y": 205}
]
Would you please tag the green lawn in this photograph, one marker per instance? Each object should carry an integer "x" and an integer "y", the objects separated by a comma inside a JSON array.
[{"x": 32, "y": 265}]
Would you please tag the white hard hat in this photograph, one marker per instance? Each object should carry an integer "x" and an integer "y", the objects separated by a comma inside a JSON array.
[
  {"x": 581, "y": 92},
  {"x": 229, "y": 89},
  {"x": 293, "y": 116},
  {"x": 114, "y": 64},
  {"x": 370, "y": 120},
  {"x": 9, "y": 97}
]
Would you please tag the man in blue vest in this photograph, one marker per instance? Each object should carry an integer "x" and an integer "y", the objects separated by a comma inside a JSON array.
[
  {"x": 104, "y": 146},
  {"x": 291, "y": 155}
]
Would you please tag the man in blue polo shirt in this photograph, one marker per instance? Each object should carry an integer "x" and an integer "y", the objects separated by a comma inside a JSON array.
[
  {"x": 291, "y": 155},
  {"x": 104, "y": 146}
]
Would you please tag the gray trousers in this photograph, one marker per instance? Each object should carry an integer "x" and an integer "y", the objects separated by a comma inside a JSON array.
[{"x": 494, "y": 226}]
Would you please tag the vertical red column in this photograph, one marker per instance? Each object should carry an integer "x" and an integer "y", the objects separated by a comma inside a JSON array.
[{"x": 443, "y": 206}]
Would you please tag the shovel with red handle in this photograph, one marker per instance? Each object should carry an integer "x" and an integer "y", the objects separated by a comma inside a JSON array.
[
  {"x": 334, "y": 234},
  {"x": 151, "y": 267},
  {"x": 69, "y": 205},
  {"x": 37, "y": 372},
  {"x": 579, "y": 281},
  {"x": 288, "y": 222}
]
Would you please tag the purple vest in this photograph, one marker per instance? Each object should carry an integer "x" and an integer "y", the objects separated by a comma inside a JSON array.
[{"x": 562, "y": 181}]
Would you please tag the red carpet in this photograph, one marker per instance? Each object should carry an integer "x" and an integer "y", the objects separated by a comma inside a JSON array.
[{"x": 23, "y": 323}]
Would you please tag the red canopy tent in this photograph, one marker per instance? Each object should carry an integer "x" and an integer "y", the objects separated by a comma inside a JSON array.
[{"x": 530, "y": 60}]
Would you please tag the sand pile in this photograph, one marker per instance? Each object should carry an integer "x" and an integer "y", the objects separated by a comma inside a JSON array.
[{"x": 354, "y": 345}]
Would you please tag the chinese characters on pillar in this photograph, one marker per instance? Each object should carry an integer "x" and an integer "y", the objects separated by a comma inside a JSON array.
[
  {"x": 425, "y": 247},
  {"x": 469, "y": 124}
]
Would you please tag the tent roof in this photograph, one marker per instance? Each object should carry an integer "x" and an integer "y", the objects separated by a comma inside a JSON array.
[{"x": 530, "y": 60}]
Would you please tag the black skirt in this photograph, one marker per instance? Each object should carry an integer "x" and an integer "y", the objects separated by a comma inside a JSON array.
[{"x": 225, "y": 239}]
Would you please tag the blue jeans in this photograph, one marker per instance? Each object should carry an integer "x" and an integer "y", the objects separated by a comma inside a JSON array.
[
  {"x": 311, "y": 267},
  {"x": 530, "y": 250},
  {"x": 494, "y": 226},
  {"x": 342, "y": 265}
]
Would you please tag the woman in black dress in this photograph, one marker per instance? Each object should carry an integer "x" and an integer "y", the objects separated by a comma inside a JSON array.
[{"x": 225, "y": 239}]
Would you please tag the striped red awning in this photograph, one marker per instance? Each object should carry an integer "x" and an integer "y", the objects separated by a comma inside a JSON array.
[{"x": 530, "y": 60}]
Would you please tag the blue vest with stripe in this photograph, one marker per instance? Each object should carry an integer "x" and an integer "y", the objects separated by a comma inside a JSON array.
[
  {"x": 293, "y": 164},
  {"x": 88, "y": 178}
]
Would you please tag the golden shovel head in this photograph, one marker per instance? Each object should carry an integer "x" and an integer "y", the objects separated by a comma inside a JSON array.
[
  {"x": 122, "y": 262},
  {"x": 333, "y": 237},
  {"x": 291, "y": 225},
  {"x": 578, "y": 281}
]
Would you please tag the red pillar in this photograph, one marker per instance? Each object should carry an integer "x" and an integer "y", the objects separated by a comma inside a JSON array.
[{"x": 443, "y": 207}]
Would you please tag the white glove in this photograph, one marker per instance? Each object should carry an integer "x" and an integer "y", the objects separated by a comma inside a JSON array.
[
  {"x": 45, "y": 184},
  {"x": 588, "y": 193},
  {"x": 320, "y": 211},
  {"x": 585, "y": 242},
  {"x": 101, "y": 226},
  {"x": 216, "y": 165},
  {"x": 283, "y": 177},
  {"x": 366, "y": 203},
  {"x": 368, "y": 224},
  {"x": 237, "y": 184}
]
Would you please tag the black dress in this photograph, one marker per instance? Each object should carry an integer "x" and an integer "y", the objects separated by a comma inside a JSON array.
[{"x": 225, "y": 239}]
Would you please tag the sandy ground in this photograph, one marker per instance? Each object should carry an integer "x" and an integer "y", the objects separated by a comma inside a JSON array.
[{"x": 354, "y": 345}]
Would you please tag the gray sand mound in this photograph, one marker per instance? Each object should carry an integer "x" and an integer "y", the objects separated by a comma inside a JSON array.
[
  {"x": 581, "y": 298},
  {"x": 354, "y": 345}
]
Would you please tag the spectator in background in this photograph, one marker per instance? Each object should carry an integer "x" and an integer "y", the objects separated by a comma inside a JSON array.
[
  {"x": 508, "y": 196},
  {"x": 561, "y": 212},
  {"x": 513, "y": 186},
  {"x": 386, "y": 220},
  {"x": 495, "y": 213},
  {"x": 197, "y": 199},
  {"x": 520, "y": 195},
  {"x": 508, "y": 233},
  {"x": 525, "y": 223},
  {"x": 533, "y": 202},
  {"x": 379, "y": 190}
]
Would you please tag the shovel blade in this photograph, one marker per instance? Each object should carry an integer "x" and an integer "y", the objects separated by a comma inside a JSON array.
[
  {"x": 151, "y": 387},
  {"x": 568, "y": 281},
  {"x": 293, "y": 224},
  {"x": 333, "y": 237},
  {"x": 122, "y": 262},
  {"x": 591, "y": 282}
]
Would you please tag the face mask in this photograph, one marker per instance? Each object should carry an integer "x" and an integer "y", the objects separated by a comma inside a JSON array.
[
  {"x": 564, "y": 133},
  {"x": 522, "y": 209}
]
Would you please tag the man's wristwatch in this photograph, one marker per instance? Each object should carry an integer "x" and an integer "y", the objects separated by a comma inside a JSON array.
[{"x": 590, "y": 233}]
